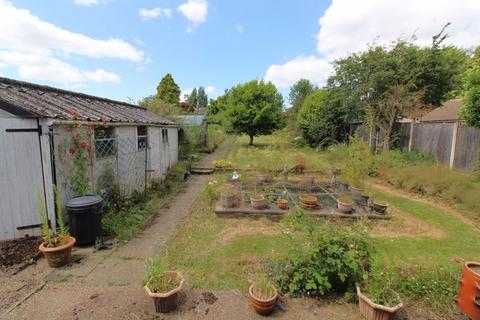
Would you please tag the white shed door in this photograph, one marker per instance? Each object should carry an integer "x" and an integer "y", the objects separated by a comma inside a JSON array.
[{"x": 21, "y": 177}]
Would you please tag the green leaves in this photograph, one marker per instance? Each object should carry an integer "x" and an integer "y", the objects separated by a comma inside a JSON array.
[
  {"x": 168, "y": 91},
  {"x": 253, "y": 108},
  {"x": 333, "y": 260}
]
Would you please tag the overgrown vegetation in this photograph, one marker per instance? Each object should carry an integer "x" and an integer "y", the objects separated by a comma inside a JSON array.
[
  {"x": 332, "y": 260},
  {"x": 51, "y": 238},
  {"x": 124, "y": 216}
]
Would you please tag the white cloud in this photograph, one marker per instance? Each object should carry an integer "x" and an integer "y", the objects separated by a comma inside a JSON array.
[
  {"x": 210, "y": 89},
  {"x": 195, "y": 11},
  {"x": 40, "y": 49},
  {"x": 86, "y": 3},
  {"x": 185, "y": 92},
  {"x": 348, "y": 26},
  {"x": 155, "y": 12},
  {"x": 302, "y": 67},
  {"x": 239, "y": 28}
]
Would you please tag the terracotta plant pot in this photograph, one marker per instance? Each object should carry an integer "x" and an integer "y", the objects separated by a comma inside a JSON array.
[
  {"x": 282, "y": 204},
  {"x": 258, "y": 202},
  {"x": 168, "y": 301},
  {"x": 469, "y": 292},
  {"x": 344, "y": 207},
  {"x": 263, "y": 307},
  {"x": 58, "y": 256},
  {"x": 380, "y": 207},
  {"x": 229, "y": 200},
  {"x": 308, "y": 199},
  {"x": 373, "y": 311},
  {"x": 356, "y": 192}
]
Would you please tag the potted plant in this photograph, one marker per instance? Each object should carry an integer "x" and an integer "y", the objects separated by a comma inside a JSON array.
[
  {"x": 162, "y": 286},
  {"x": 263, "y": 296},
  {"x": 307, "y": 199},
  {"x": 282, "y": 204},
  {"x": 382, "y": 304},
  {"x": 56, "y": 247},
  {"x": 258, "y": 201},
  {"x": 229, "y": 197},
  {"x": 345, "y": 204},
  {"x": 380, "y": 206}
]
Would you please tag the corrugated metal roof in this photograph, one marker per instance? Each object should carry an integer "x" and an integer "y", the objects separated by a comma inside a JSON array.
[
  {"x": 446, "y": 113},
  {"x": 49, "y": 102}
]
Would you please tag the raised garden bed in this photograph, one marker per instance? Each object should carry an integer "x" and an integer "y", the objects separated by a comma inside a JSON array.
[{"x": 326, "y": 206}]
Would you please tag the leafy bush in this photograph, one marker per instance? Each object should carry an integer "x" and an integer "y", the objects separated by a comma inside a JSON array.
[
  {"x": 321, "y": 119},
  {"x": 332, "y": 261}
]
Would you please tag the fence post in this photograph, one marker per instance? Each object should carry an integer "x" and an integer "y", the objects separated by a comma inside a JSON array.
[
  {"x": 454, "y": 144},
  {"x": 410, "y": 138}
]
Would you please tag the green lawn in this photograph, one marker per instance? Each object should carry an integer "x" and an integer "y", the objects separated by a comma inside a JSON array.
[{"x": 228, "y": 253}]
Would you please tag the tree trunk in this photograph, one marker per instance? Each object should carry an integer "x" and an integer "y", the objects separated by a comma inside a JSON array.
[
  {"x": 388, "y": 135},
  {"x": 251, "y": 141}
]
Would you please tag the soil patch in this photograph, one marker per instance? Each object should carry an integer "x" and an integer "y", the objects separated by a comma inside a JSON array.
[
  {"x": 209, "y": 297},
  {"x": 17, "y": 251}
]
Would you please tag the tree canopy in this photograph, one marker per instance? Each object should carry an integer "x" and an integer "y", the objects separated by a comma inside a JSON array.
[
  {"x": 202, "y": 98},
  {"x": 385, "y": 83},
  {"x": 253, "y": 108},
  {"x": 168, "y": 91},
  {"x": 192, "y": 98},
  {"x": 298, "y": 92},
  {"x": 321, "y": 119},
  {"x": 471, "y": 110}
]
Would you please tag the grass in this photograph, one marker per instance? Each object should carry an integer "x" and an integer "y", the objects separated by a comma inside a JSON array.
[
  {"x": 461, "y": 239},
  {"x": 423, "y": 269},
  {"x": 274, "y": 151}
]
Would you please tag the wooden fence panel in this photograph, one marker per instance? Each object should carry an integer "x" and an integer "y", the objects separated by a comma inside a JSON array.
[
  {"x": 468, "y": 148},
  {"x": 434, "y": 139}
]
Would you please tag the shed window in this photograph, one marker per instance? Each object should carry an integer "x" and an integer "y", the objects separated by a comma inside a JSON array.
[
  {"x": 165, "y": 136},
  {"x": 105, "y": 145},
  {"x": 142, "y": 137}
]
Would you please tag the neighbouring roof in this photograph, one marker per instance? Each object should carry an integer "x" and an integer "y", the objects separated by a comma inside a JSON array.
[
  {"x": 33, "y": 100},
  {"x": 446, "y": 113}
]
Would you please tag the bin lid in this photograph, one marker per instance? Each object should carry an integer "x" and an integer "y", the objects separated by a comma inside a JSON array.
[{"x": 84, "y": 201}]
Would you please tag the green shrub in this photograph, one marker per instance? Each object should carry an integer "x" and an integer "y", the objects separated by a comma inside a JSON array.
[
  {"x": 333, "y": 260},
  {"x": 322, "y": 119}
]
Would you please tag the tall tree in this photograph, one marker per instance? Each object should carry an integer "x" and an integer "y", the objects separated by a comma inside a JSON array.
[
  {"x": 471, "y": 110},
  {"x": 202, "y": 98},
  {"x": 192, "y": 98},
  {"x": 168, "y": 91},
  {"x": 254, "y": 108},
  {"x": 298, "y": 92}
]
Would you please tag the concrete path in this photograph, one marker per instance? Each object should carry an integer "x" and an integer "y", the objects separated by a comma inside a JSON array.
[{"x": 115, "y": 276}]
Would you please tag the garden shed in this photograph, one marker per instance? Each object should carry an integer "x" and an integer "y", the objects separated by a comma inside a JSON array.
[{"x": 50, "y": 136}]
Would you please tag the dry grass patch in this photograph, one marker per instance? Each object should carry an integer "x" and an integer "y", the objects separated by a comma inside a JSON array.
[{"x": 403, "y": 224}]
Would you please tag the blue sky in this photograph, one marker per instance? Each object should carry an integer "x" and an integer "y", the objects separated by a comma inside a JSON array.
[{"x": 213, "y": 43}]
